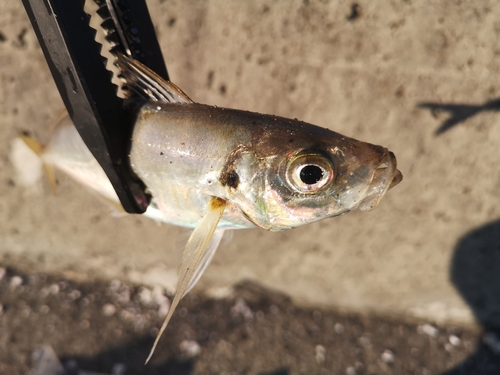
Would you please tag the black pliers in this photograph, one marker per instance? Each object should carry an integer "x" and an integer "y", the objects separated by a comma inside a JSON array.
[{"x": 74, "y": 58}]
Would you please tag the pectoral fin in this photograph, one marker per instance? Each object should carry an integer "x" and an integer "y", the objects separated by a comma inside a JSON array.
[
  {"x": 207, "y": 258},
  {"x": 195, "y": 255}
]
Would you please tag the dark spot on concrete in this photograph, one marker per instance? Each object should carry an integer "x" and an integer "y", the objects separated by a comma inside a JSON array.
[
  {"x": 10, "y": 182},
  {"x": 355, "y": 12},
  {"x": 182, "y": 143},
  {"x": 20, "y": 37},
  {"x": 161, "y": 152},
  {"x": 2, "y": 37},
  {"x": 400, "y": 92},
  {"x": 266, "y": 9},
  {"x": 222, "y": 89},
  {"x": 210, "y": 78},
  {"x": 95, "y": 219},
  {"x": 290, "y": 140},
  {"x": 172, "y": 21}
]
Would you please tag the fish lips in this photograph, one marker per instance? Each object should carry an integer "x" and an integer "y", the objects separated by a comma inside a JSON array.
[{"x": 385, "y": 177}]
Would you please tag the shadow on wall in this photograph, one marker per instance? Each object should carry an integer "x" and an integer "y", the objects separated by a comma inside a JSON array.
[
  {"x": 459, "y": 112},
  {"x": 475, "y": 272}
]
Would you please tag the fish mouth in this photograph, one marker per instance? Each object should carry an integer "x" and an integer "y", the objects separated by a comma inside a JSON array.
[{"x": 385, "y": 177}]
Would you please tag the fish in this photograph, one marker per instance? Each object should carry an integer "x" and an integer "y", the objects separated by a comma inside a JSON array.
[{"x": 214, "y": 169}]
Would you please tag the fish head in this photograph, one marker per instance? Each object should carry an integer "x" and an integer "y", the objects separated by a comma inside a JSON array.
[{"x": 313, "y": 174}]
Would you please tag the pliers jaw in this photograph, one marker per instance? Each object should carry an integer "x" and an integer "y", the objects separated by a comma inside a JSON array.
[{"x": 75, "y": 61}]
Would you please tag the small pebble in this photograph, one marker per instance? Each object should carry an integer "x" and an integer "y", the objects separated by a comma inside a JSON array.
[
  {"x": 274, "y": 309},
  {"x": 44, "y": 309},
  {"x": 108, "y": 309},
  {"x": 190, "y": 348},
  {"x": 428, "y": 330},
  {"x": 448, "y": 347},
  {"x": 364, "y": 341},
  {"x": 1, "y": 310},
  {"x": 454, "y": 340},
  {"x": 74, "y": 295},
  {"x": 350, "y": 371},
  {"x": 124, "y": 296},
  {"x": 320, "y": 353},
  {"x": 158, "y": 295},
  {"x": 16, "y": 281},
  {"x": 339, "y": 328},
  {"x": 163, "y": 309},
  {"x": 119, "y": 369},
  {"x": 127, "y": 315},
  {"x": 240, "y": 307},
  {"x": 54, "y": 289},
  {"x": 145, "y": 296},
  {"x": 3, "y": 271},
  {"x": 387, "y": 356},
  {"x": 44, "y": 292},
  {"x": 114, "y": 285}
]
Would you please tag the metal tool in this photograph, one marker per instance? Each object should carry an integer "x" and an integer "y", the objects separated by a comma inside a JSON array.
[{"x": 92, "y": 100}]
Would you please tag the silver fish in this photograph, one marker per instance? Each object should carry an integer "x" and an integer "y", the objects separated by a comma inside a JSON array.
[{"x": 214, "y": 169}]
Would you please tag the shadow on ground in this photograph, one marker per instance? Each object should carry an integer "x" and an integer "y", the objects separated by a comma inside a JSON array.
[
  {"x": 475, "y": 272},
  {"x": 459, "y": 113}
]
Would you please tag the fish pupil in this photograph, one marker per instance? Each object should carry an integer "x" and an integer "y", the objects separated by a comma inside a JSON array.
[{"x": 311, "y": 174}]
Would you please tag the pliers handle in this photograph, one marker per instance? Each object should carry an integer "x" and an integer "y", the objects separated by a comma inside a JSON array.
[{"x": 73, "y": 55}]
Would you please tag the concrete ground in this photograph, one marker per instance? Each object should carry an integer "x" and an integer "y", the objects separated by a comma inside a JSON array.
[{"x": 419, "y": 77}]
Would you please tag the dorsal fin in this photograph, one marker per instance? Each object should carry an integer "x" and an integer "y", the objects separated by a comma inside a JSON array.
[{"x": 147, "y": 84}]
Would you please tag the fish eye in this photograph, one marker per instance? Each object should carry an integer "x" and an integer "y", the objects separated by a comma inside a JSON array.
[{"x": 309, "y": 173}]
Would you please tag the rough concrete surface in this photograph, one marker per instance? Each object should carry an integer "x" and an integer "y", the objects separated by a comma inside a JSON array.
[{"x": 419, "y": 77}]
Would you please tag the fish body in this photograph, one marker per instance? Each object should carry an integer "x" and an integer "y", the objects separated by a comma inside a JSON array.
[
  {"x": 188, "y": 153},
  {"x": 213, "y": 169}
]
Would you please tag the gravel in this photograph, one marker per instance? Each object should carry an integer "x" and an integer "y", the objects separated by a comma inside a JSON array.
[{"x": 108, "y": 328}]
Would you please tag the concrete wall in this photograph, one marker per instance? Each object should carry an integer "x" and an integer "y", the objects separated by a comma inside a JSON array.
[{"x": 363, "y": 77}]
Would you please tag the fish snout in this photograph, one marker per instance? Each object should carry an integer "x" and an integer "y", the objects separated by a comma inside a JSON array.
[{"x": 385, "y": 177}]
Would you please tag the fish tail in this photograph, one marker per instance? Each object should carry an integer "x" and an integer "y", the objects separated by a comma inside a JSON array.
[{"x": 28, "y": 166}]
